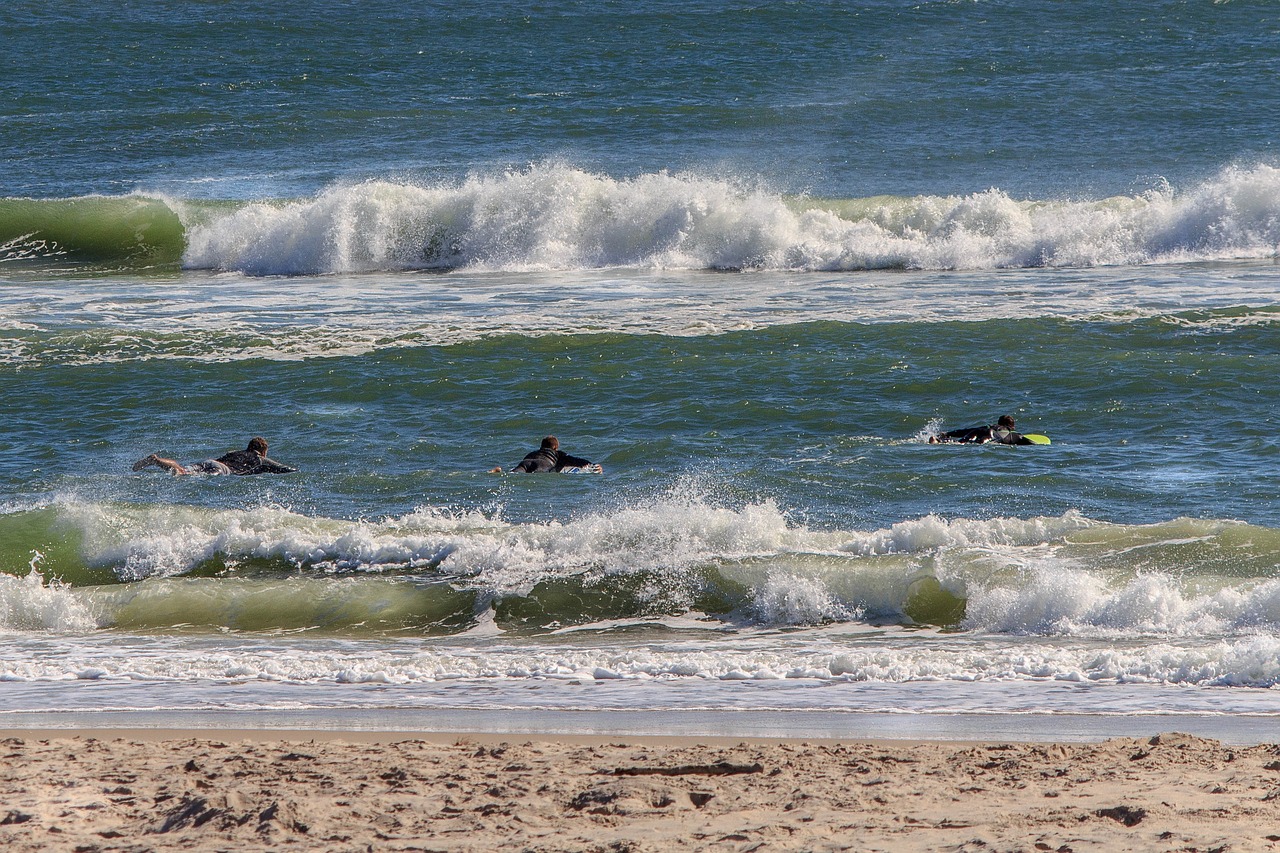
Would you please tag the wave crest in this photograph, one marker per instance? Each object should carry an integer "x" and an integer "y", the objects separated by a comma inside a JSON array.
[
  {"x": 555, "y": 217},
  {"x": 676, "y": 555}
]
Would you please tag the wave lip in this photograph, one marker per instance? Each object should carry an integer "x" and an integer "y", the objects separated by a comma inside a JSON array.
[{"x": 555, "y": 217}]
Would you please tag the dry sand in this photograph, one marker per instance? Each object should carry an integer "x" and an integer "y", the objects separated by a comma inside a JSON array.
[{"x": 261, "y": 791}]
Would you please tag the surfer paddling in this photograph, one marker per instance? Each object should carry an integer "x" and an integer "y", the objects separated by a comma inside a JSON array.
[
  {"x": 549, "y": 458},
  {"x": 252, "y": 460},
  {"x": 1001, "y": 432}
]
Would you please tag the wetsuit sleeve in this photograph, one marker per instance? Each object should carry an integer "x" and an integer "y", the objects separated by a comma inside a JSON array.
[
  {"x": 564, "y": 460},
  {"x": 970, "y": 435},
  {"x": 270, "y": 466},
  {"x": 525, "y": 466}
]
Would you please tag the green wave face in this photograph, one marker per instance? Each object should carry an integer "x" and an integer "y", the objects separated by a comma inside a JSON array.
[{"x": 128, "y": 231}]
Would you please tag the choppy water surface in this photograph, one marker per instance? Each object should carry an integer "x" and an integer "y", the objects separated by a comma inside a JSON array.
[{"x": 750, "y": 287}]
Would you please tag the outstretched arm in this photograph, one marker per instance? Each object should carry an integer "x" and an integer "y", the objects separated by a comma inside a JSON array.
[{"x": 270, "y": 466}]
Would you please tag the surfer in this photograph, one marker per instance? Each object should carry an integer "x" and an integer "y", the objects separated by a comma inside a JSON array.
[
  {"x": 549, "y": 458},
  {"x": 1001, "y": 432},
  {"x": 252, "y": 460}
]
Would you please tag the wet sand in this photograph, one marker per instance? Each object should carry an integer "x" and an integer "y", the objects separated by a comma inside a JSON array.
[{"x": 129, "y": 790}]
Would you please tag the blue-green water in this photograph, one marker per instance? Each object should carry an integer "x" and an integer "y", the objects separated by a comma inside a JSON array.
[
  {"x": 245, "y": 99},
  {"x": 746, "y": 257}
]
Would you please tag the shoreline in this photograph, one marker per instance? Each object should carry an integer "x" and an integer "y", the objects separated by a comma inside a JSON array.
[
  {"x": 161, "y": 789},
  {"x": 699, "y": 725},
  {"x": 376, "y": 736}
]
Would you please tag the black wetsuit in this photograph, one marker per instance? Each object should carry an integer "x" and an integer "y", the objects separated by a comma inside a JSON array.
[
  {"x": 545, "y": 460},
  {"x": 252, "y": 462},
  {"x": 983, "y": 434},
  {"x": 1000, "y": 435}
]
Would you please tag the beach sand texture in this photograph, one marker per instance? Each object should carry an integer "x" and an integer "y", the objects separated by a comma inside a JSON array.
[{"x": 101, "y": 793}]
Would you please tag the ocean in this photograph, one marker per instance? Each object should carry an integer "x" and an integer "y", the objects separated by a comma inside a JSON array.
[{"x": 748, "y": 257}]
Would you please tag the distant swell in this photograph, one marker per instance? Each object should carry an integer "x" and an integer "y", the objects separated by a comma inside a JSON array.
[{"x": 558, "y": 218}]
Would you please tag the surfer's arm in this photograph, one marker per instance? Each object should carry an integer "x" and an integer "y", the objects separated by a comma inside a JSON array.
[
  {"x": 567, "y": 461},
  {"x": 270, "y": 466},
  {"x": 968, "y": 435}
]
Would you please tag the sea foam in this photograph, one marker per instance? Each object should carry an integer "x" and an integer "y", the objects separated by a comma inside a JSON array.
[
  {"x": 556, "y": 217},
  {"x": 1243, "y": 662},
  {"x": 678, "y": 554}
]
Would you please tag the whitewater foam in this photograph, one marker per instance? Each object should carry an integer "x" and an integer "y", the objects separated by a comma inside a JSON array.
[
  {"x": 813, "y": 656},
  {"x": 556, "y": 217},
  {"x": 436, "y": 570},
  {"x": 30, "y": 603}
]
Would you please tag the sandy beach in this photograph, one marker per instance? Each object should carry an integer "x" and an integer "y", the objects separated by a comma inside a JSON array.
[{"x": 174, "y": 790}]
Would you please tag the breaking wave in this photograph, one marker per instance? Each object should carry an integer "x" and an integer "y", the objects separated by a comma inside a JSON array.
[
  {"x": 440, "y": 572},
  {"x": 556, "y": 217}
]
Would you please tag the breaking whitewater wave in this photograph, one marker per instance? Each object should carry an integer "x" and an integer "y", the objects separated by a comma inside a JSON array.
[
  {"x": 436, "y": 572},
  {"x": 555, "y": 217}
]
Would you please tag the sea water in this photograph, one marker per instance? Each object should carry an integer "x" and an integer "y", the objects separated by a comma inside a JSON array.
[{"x": 748, "y": 258}]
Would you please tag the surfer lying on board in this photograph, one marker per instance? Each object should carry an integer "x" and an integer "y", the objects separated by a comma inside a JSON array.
[
  {"x": 549, "y": 458},
  {"x": 1001, "y": 432},
  {"x": 252, "y": 460}
]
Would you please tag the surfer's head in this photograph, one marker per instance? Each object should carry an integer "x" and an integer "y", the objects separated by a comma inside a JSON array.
[
  {"x": 258, "y": 445},
  {"x": 1005, "y": 421},
  {"x": 550, "y": 443}
]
